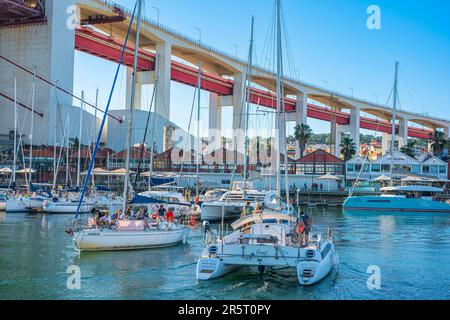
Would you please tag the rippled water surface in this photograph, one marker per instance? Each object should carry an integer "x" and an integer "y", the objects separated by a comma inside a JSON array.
[{"x": 412, "y": 252}]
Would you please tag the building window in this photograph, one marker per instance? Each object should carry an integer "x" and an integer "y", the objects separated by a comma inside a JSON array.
[
  {"x": 385, "y": 167},
  {"x": 350, "y": 167},
  {"x": 358, "y": 167},
  {"x": 366, "y": 168},
  {"x": 442, "y": 169},
  {"x": 425, "y": 169},
  {"x": 434, "y": 169},
  {"x": 415, "y": 168},
  {"x": 376, "y": 167},
  {"x": 320, "y": 169}
]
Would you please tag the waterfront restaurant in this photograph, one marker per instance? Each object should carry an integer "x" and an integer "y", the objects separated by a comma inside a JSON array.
[{"x": 403, "y": 164}]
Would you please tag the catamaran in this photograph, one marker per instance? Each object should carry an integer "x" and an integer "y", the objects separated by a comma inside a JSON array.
[{"x": 266, "y": 241}]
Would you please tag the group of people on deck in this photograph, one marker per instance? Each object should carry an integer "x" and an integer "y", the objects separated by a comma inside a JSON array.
[{"x": 160, "y": 214}]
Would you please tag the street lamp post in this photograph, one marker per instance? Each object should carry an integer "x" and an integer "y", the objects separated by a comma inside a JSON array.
[
  {"x": 236, "y": 49},
  {"x": 157, "y": 13},
  {"x": 199, "y": 34}
]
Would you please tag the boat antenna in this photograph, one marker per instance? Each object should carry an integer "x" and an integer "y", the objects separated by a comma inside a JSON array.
[
  {"x": 105, "y": 114},
  {"x": 278, "y": 117},
  {"x": 394, "y": 111},
  {"x": 200, "y": 144}
]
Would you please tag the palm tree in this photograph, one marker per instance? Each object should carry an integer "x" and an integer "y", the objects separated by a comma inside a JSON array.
[
  {"x": 408, "y": 149},
  {"x": 348, "y": 148},
  {"x": 439, "y": 142},
  {"x": 302, "y": 133}
]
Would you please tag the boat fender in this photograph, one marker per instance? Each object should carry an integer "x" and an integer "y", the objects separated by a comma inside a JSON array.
[{"x": 192, "y": 221}]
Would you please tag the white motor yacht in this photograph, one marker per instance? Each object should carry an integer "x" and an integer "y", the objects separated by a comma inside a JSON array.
[
  {"x": 231, "y": 204},
  {"x": 412, "y": 198}
]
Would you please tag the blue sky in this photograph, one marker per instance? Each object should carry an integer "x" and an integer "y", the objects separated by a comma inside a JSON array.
[{"x": 331, "y": 46}]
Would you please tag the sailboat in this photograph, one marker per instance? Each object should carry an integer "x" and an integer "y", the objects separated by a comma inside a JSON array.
[
  {"x": 29, "y": 202},
  {"x": 269, "y": 238},
  {"x": 412, "y": 198},
  {"x": 126, "y": 234}
]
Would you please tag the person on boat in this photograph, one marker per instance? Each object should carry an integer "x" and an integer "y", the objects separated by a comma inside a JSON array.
[
  {"x": 140, "y": 214},
  {"x": 116, "y": 214},
  {"x": 305, "y": 230},
  {"x": 247, "y": 210},
  {"x": 169, "y": 216},
  {"x": 258, "y": 209},
  {"x": 161, "y": 211}
]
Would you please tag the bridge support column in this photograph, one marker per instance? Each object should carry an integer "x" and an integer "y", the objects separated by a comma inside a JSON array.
[
  {"x": 403, "y": 132},
  {"x": 239, "y": 116},
  {"x": 338, "y": 141},
  {"x": 138, "y": 100},
  {"x": 301, "y": 114},
  {"x": 215, "y": 121},
  {"x": 163, "y": 72},
  {"x": 355, "y": 127},
  {"x": 51, "y": 48}
]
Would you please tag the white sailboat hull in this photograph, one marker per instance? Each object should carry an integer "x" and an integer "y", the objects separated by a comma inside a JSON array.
[
  {"x": 67, "y": 208},
  {"x": 15, "y": 205},
  {"x": 110, "y": 240}
]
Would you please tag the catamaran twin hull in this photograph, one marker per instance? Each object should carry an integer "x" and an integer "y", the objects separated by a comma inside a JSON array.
[
  {"x": 312, "y": 264},
  {"x": 394, "y": 204},
  {"x": 110, "y": 240}
]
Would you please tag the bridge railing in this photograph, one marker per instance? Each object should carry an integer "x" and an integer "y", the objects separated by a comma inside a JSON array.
[{"x": 260, "y": 68}]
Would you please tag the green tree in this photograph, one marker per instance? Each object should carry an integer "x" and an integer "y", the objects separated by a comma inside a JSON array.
[
  {"x": 302, "y": 133},
  {"x": 408, "y": 149},
  {"x": 439, "y": 143},
  {"x": 348, "y": 148}
]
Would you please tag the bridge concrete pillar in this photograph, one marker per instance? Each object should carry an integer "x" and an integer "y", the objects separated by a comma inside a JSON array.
[
  {"x": 215, "y": 121},
  {"x": 403, "y": 132},
  {"x": 301, "y": 114},
  {"x": 355, "y": 127},
  {"x": 239, "y": 116},
  {"x": 163, "y": 72},
  {"x": 338, "y": 141},
  {"x": 51, "y": 48},
  {"x": 138, "y": 92},
  {"x": 238, "y": 105}
]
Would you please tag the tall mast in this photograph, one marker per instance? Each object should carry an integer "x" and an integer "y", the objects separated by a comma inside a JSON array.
[
  {"x": 15, "y": 130},
  {"x": 133, "y": 101},
  {"x": 79, "y": 139},
  {"x": 32, "y": 120},
  {"x": 247, "y": 111},
  {"x": 197, "y": 167},
  {"x": 393, "y": 118},
  {"x": 155, "y": 89},
  {"x": 278, "y": 119}
]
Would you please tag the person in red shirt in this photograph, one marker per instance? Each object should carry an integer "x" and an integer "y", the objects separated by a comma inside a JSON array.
[{"x": 170, "y": 216}]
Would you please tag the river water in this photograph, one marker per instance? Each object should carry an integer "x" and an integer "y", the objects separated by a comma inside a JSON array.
[{"x": 412, "y": 252}]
